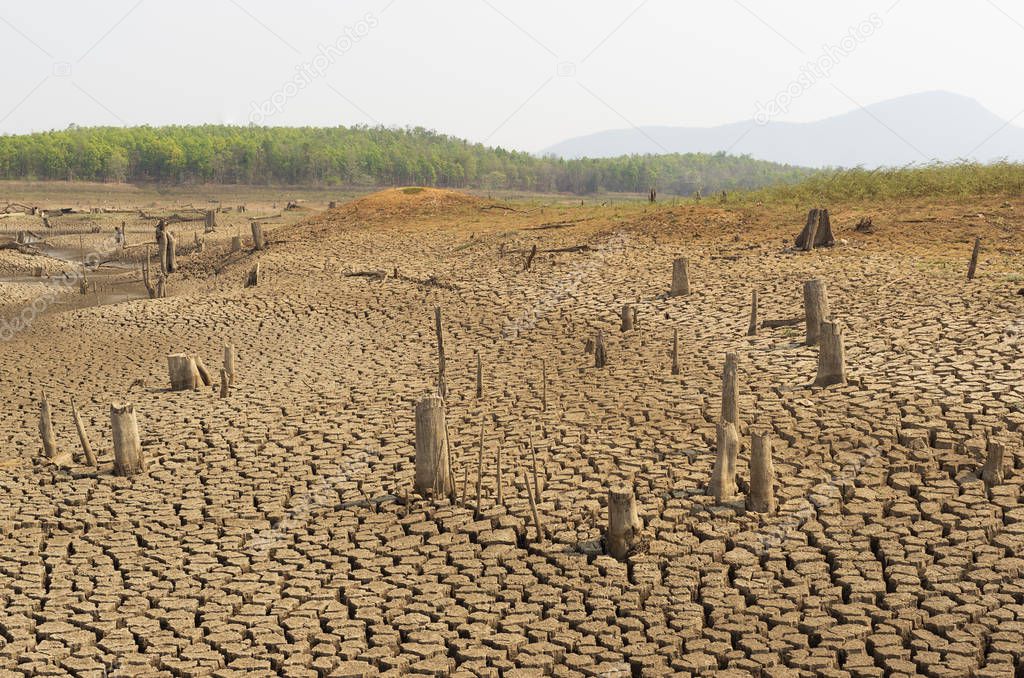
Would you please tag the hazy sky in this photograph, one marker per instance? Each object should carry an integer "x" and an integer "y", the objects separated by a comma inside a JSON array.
[{"x": 522, "y": 74}]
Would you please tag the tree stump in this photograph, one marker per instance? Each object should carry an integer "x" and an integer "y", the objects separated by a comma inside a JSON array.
[
  {"x": 182, "y": 371},
  {"x": 600, "y": 353},
  {"x": 831, "y": 355},
  {"x": 973, "y": 267},
  {"x": 46, "y": 433},
  {"x": 211, "y": 221},
  {"x": 172, "y": 256},
  {"x": 229, "y": 363},
  {"x": 805, "y": 241},
  {"x": 823, "y": 237},
  {"x": 90, "y": 457},
  {"x": 236, "y": 243},
  {"x": 680, "y": 277},
  {"x": 815, "y": 308},
  {"x": 433, "y": 464},
  {"x": 257, "y": 236},
  {"x": 675, "y": 351},
  {"x": 992, "y": 473},
  {"x": 624, "y": 525},
  {"x": 204, "y": 374},
  {"x": 730, "y": 391},
  {"x": 253, "y": 278},
  {"x": 128, "y": 459},
  {"x": 752, "y": 327},
  {"x": 628, "y": 316},
  {"x": 225, "y": 383},
  {"x": 762, "y": 474},
  {"x": 723, "y": 476}
]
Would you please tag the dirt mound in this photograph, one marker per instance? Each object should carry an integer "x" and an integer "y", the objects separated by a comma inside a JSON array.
[{"x": 411, "y": 201}]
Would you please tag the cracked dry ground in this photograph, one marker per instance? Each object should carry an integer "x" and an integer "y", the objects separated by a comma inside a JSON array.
[{"x": 270, "y": 534}]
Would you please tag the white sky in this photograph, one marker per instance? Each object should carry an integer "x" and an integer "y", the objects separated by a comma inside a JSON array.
[{"x": 488, "y": 70}]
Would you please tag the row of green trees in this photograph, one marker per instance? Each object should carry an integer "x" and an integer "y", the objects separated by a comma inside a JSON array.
[{"x": 357, "y": 156}]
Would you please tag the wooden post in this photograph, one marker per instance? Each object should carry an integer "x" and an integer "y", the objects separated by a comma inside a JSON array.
[
  {"x": 150, "y": 290},
  {"x": 499, "y": 490},
  {"x": 624, "y": 523},
  {"x": 543, "y": 385},
  {"x": 229, "y": 363},
  {"x": 529, "y": 258},
  {"x": 225, "y": 383},
  {"x": 533, "y": 508},
  {"x": 46, "y": 428},
  {"x": 993, "y": 473},
  {"x": 973, "y": 268},
  {"x": 211, "y": 221},
  {"x": 181, "y": 369},
  {"x": 433, "y": 461},
  {"x": 128, "y": 459},
  {"x": 680, "y": 277},
  {"x": 480, "y": 469},
  {"x": 600, "y": 353},
  {"x": 257, "y": 236},
  {"x": 752, "y": 328},
  {"x": 236, "y": 243},
  {"x": 675, "y": 350},
  {"x": 730, "y": 391},
  {"x": 627, "y": 318},
  {"x": 172, "y": 256},
  {"x": 479, "y": 377},
  {"x": 161, "y": 246},
  {"x": 816, "y": 308},
  {"x": 442, "y": 384},
  {"x": 723, "y": 477},
  {"x": 831, "y": 355},
  {"x": 90, "y": 458},
  {"x": 762, "y": 474}
]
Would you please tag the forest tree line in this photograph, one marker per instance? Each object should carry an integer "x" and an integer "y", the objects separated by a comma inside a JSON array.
[{"x": 358, "y": 156}]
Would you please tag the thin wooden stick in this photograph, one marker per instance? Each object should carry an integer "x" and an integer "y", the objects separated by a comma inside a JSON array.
[
  {"x": 533, "y": 508},
  {"x": 90, "y": 458},
  {"x": 480, "y": 468}
]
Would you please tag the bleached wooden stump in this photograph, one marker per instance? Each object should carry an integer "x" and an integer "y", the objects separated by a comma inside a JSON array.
[
  {"x": 628, "y": 316},
  {"x": 993, "y": 473},
  {"x": 762, "y": 474},
  {"x": 258, "y": 243},
  {"x": 229, "y": 363},
  {"x": 753, "y": 326},
  {"x": 433, "y": 463},
  {"x": 83, "y": 438},
  {"x": 600, "y": 352},
  {"x": 723, "y": 476},
  {"x": 236, "y": 243},
  {"x": 831, "y": 355},
  {"x": 816, "y": 308},
  {"x": 624, "y": 524},
  {"x": 46, "y": 434},
  {"x": 128, "y": 459},
  {"x": 730, "y": 391},
  {"x": 181, "y": 369},
  {"x": 680, "y": 277}
]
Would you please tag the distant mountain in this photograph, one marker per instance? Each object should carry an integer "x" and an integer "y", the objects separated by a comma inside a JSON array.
[{"x": 919, "y": 128}]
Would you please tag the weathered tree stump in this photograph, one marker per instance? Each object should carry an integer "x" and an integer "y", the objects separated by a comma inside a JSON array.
[
  {"x": 172, "y": 255},
  {"x": 730, "y": 391},
  {"x": 204, "y": 374},
  {"x": 229, "y": 363},
  {"x": 442, "y": 382},
  {"x": 680, "y": 277},
  {"x": 253, "y": 278},
  {"x": 128, "y": 459},
  {"x": 752, "y": 327},
  {"x": 46, "y": 434},
  {"x": 600, "y": 353},
  {"x": 723, "y": 476},
  {"x": 831, "y": 355},
  {"x": 762, "y": 474},
  {"x": 533, "y": 508},
  {"x": 236, "y": 243},
  {"x": 816, "y": 309},
  {"x": 225, "y": 383},
  {"x": 993, "y": 473},
  {"x": 973, "y": 267},
  {"x": 675, "y": 351},
  {"x": 182, "y": 371},
  {"x": 90, "y": 457},
  {"x": 624, "y": 525},
  {"x": 210, "y": 224},
  {"x": 628, "y": 316},
  {"x": 258, "y": 243},
  {"x": 433, "y": 463}
]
